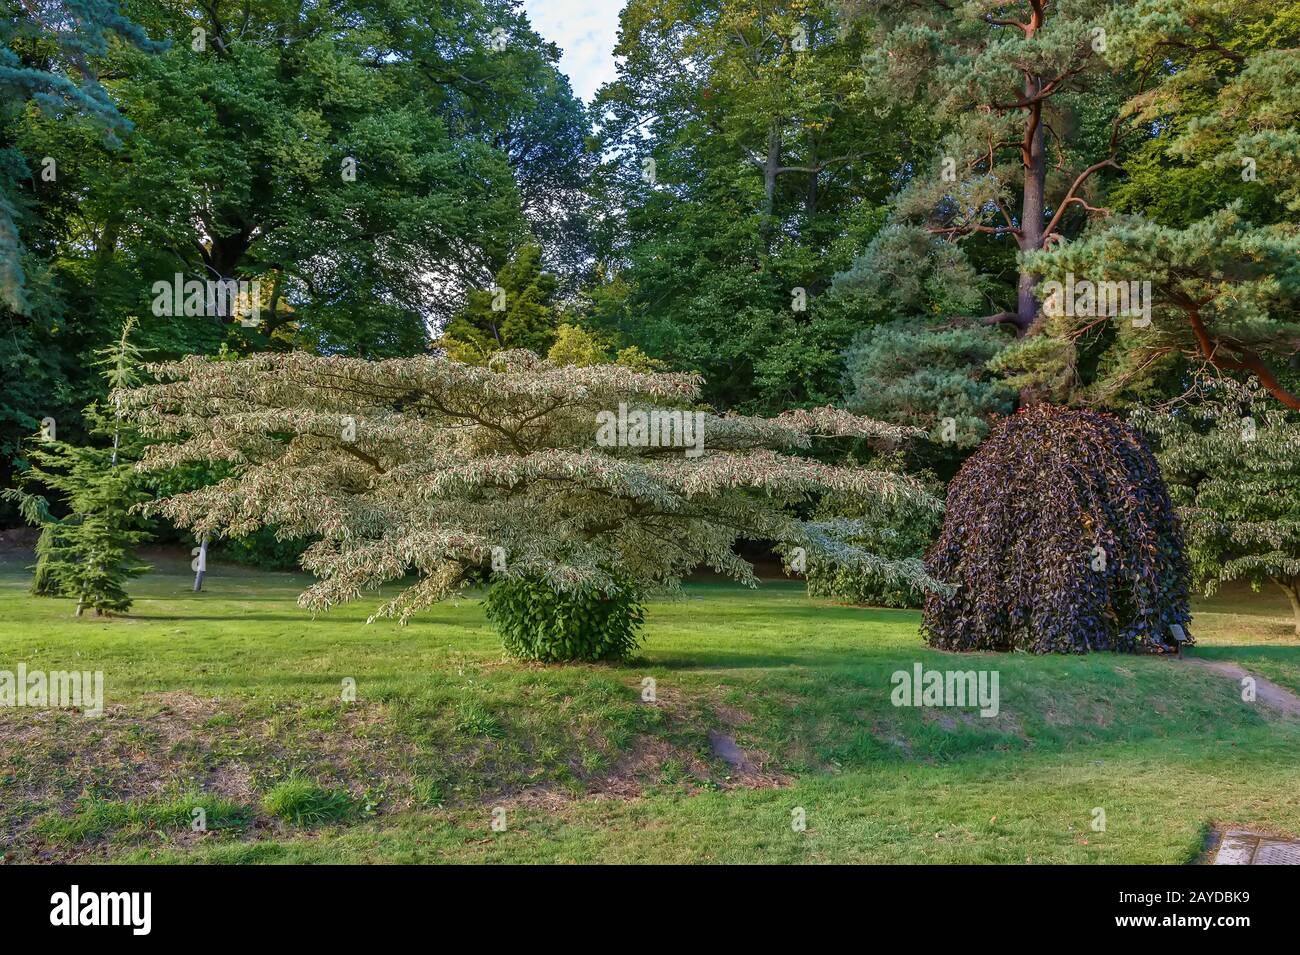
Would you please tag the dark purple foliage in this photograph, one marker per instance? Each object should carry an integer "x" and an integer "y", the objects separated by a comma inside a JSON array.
[{"x": 1026, "y": 515}]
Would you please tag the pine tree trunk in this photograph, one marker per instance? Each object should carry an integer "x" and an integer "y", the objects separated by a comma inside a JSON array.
[{"x": 1031, "y": 212}]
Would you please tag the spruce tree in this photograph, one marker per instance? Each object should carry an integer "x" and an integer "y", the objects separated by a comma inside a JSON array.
[{"x": 47, "y": 52}]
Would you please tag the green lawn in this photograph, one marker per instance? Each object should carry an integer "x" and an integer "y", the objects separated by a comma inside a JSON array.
[{"x": 231, "y": 701}]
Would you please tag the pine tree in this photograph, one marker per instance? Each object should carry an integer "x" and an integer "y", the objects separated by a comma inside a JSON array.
[
  {"x": 1222, "y": 292},
  {"x": 89, "y": 552},
  {"x": 1224, "y": 281},
  {"x": 1009, "y": 80}
]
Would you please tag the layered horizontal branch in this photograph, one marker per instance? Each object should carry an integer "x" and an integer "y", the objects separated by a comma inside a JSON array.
[{"x": 588, "y": 478}]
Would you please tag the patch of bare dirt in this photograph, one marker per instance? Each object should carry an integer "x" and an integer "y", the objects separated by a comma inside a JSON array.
[
  {"x": 179, "y": 714},
  {"x": 724, "y": 747},
  {"x": 168, "y": 744},
  {"x": 750, "y": 769},
  {"x": 951, "y": 719},
  {"x": 165, "y": 744},
  {"x": 628, "y": 778},
  {"x": 643, "y": 765},
  {"x": 732, "y": 716}
]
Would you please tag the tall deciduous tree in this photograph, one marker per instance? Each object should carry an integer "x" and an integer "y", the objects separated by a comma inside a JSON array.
[
  {"x": 353, "y": 159},
  {"x": 744, "y": 161},
  {"x": 366, "y": 163}
]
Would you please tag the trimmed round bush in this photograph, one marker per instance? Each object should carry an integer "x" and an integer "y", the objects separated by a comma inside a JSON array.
[
  {"x": 538, "y": 623},
  {"x": 1060, "y": 537}
]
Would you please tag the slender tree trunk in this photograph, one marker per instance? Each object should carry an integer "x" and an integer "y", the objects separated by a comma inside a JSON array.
[
  {"x": 770, "y": 167},
  {"x": 769, "y": 170},
  {"x": 276, "y": 288},
  {"x": 1292, "y": 591},
  {"x": 810, "y": 196},
  {"x": 117, "y": 431},
  {"x": 201, "y": 564},
  {"x": 108, "y": 240}
]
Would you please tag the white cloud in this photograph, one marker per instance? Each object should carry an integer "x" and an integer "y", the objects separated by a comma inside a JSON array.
[{"x": 586, "y": 30}]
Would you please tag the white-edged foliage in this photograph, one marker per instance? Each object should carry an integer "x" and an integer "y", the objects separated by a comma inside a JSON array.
[{"x": 426, "y": 465}]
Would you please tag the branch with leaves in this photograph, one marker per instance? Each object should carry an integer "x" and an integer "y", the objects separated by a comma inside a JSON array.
[{"x": 432, "y": 467}]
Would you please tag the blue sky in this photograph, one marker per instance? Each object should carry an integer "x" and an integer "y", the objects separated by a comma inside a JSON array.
[{"x": 586, "y": 30}]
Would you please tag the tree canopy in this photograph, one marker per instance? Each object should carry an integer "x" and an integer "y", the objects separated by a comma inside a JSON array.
[
  {"x": 362, "y": 167},
  {"x": 1232, "y": 460},
  {"x": 595, "y": 478},
  {"x": 930, "y": 214}
]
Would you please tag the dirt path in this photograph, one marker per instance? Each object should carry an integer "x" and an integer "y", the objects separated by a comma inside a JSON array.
[{"x": 1266, "y": 691}]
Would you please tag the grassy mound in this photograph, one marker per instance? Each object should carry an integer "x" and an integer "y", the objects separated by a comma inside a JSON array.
[{"x": 405, "y": 744}]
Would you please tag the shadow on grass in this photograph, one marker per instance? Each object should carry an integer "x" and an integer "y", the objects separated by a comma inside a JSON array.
[
  {"x": 1253, "y": 651},
  {"x": 235, "y": 618}
]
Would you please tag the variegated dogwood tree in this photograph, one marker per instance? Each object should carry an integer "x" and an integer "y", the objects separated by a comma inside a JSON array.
[
  {"x": 594, "y": 482},
  {"x": 1232, "y": 460}
]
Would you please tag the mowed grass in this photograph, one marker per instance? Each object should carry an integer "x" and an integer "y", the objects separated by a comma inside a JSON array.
[{"x": 237, "y": 703}]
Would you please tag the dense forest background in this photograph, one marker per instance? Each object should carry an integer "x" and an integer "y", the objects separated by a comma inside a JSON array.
[{"x": 808, "y": 202}]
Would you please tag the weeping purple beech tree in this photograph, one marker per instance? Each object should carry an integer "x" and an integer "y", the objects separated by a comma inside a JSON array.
[{"x": 1060, "y": 537}]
